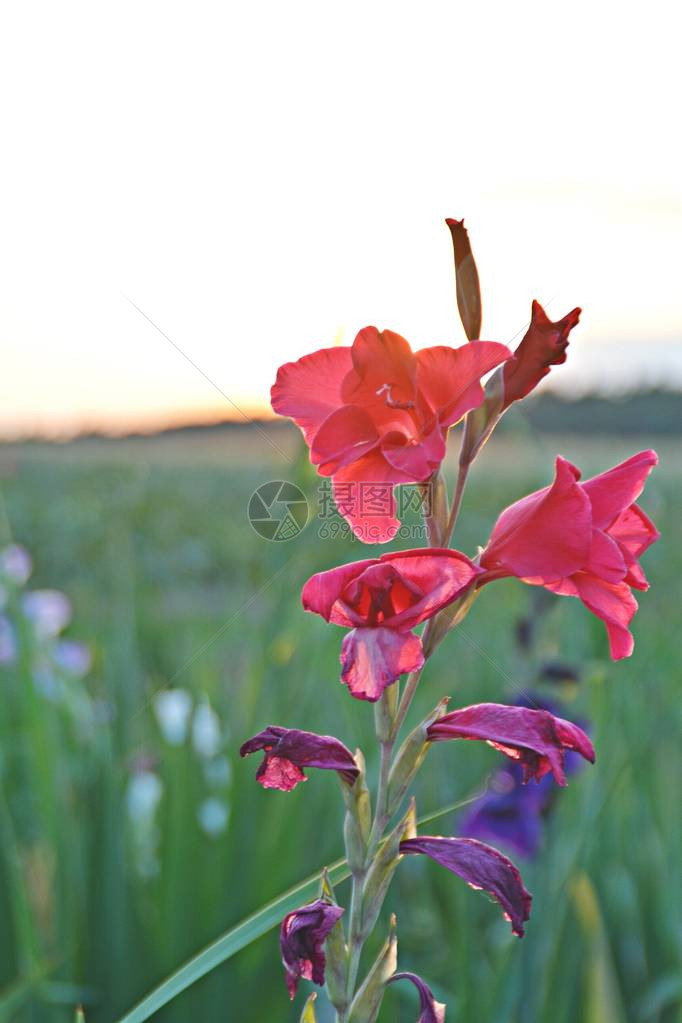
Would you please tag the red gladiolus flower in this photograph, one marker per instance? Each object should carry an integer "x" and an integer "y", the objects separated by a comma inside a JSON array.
[
  {"x": 431, "y": 1011},
  {"x": 543, "y": 345},
  {"x": 581, "y": 540},
  {"x": 482, "y": 867},
  {"x": 381, "y": 600},
  {"x": 376, "y": 415},
  {"x": 301, "y": 939},
  {"x": 536, "y": 738},
  {"x": 288, "y": 750}
]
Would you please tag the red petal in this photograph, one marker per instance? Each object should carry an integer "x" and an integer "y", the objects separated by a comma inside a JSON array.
[
  {"x": 543, "y": 345},
  {"x": 323, "y": 590},
  {"x": 615, "y": 605},
  {"x": 449, "y": 378},
  {"x": 363, "y": 492},
  {"x": 373, "y": 659},
  {"x": 545, "y": 536},
  {"x": 440, "y": 574},
  {"x": 381, "y": 359},
  {"x": 309, "y": 389},
  {"x": 279, "y": 773},
  {"x": 346, "y": 435},
  {"x": 615, "y": 490}
]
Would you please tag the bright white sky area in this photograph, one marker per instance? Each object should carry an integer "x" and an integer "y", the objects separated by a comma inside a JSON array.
[{"x": 262, "y": 179}]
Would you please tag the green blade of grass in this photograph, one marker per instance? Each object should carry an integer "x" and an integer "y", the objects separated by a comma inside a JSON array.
[{"x": 249, "y": 930}]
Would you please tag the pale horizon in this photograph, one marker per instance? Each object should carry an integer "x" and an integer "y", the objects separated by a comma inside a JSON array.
[{"x": 261, "y": 183}]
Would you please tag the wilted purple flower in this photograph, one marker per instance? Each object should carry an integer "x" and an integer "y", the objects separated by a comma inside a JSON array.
[
  {"x": 431, "y": 1010},
  {"x": 287, "y": 750},
  {"x": 301, "y": 939},
  {"x": 482, "y": 867},
  {"x": 49, "y": 610},
  {"x": 536, "y": 738}
]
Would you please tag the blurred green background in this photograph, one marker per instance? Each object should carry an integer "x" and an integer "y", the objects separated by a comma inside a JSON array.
[{"x": 131, "y": 834}]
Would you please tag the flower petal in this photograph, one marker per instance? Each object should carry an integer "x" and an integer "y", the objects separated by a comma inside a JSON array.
[
  {"x": 287, "y": 750},
  {"x": 439, "y": 573},
  {"x": 301, "y": 939},
  {"x": 322, "y": 591},
  {"x": 536, "y": 738},
  {"x": 310, "y": 388},
  {"x": 449, "y": 379},
  {"x": 482, "y": 867},
  {"x": 431, "y": 1010},
  {"x": 373, "y": 659},
  {"x": 544, "y": 536},
  {"x": 615, "y": 605},
  {"x": 383, "y": 368},
  {"x": 543, "y": 345},
  {"x": 363, "y": 492},
  {"x": 615, "y": 490},
  {"x": 346, "y": 435}
]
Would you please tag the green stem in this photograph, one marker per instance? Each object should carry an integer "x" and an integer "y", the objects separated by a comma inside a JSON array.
[{"x": 462, "y": 474}]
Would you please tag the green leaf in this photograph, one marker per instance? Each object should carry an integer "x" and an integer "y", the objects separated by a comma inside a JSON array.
[{"x": 248, "y": 930}]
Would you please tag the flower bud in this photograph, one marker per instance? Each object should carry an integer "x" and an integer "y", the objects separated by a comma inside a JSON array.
[
  {"x": 380, "y": 873},
  {"x": 308, "y": 1014},
  {"x": 335, "y": 950},
  {"x": 358, "y": 820},
  {"x": 367, "y": 1002},
  {"x": 466, "y": 276},
  {"x": 410, "y": 757},
  {"x": 384, "y": 713}
]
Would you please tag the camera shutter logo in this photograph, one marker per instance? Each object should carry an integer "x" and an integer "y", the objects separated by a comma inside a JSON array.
[{"x": 278, "y": 510}]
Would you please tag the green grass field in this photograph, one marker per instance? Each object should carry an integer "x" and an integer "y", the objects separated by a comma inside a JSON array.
[{"x": 172, "y": 588}]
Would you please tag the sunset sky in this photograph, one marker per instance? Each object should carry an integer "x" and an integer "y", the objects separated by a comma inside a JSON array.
[{"x": 262, "y": 179}]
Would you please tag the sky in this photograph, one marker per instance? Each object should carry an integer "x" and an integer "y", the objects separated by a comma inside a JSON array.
[{"x": 257, "y": 180}]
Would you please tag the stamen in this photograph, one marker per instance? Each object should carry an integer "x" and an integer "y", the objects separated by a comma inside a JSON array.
[{"x": 390, "y": 400}]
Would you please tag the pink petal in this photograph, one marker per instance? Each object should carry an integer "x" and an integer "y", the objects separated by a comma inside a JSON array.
[
  {"x": 615, "y": 605},
  {"x": 613, "y": 491},
  {"x": 383, "y": 367},
  {"x": 373, "y": 659},
  {"x": 346, "y": 435},
  {"x": 309, "y": 389},
  {"x": 544, "y": 536},
  {"x": 363, "y": 492},
  {"x": 416, "y": 460},
  {"x": 279, "y": 773},
  {"x": 606, "y": 559},
  {"x": 323, "y": 590},
  {"x": 634, "y": 532},
  {"x": 440, "y": 574},
  {"x": 449, "y": 378}
]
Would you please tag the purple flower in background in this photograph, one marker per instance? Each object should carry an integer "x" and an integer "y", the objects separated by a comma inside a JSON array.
[
  {"x": 48, "y": 610},
  {"x": 511, "y": 812},
  {"x": 72, "y": 657},
  {"x": 482, "y": 867},
  {"x": 15, "y": 564},
  {"x": 288, "y": 750},
  {"x": 535, "y": 738},
  {"x": 431, "y": 1010},
  {"x": 301, "y": 939}
]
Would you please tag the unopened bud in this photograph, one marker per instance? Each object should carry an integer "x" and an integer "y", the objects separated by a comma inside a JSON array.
[
  {"x": 367, "y": 1002},
  {"x": 380, "y": 873},
  {"x": 335, "y": 952},
  {"x": 410, "y": 757}
]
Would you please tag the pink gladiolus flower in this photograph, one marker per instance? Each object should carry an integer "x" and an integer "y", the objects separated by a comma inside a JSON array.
[
  {"x": 288, "y": 750},
  {"x": 301, "y": 939},
  {"x": 581, "y": 540},
  {"x": 431, "y": 1011},
  {"x": 536, "y": 738},
  {"x": 381, "y": 600},
  {"x": 543, "y": 345},
  {"x": 482, "y": 867},
  {"x": 376, "y": 414}
]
